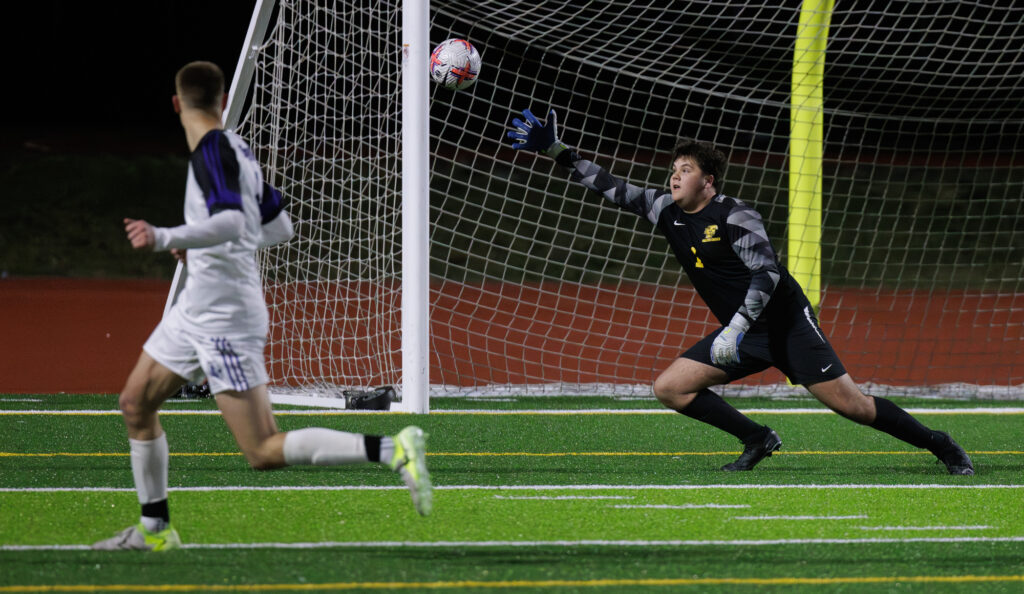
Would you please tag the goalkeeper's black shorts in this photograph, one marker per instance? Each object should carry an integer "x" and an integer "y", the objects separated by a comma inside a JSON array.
[{"x": 798, "y": 349}]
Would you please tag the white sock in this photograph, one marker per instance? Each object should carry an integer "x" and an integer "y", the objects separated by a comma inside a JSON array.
[
  {"x": 387, "y": 450},
  {"x": 154, "y": 524},
  {"x": 323, "y": 447},
  {"x": 149, "y": 467}
]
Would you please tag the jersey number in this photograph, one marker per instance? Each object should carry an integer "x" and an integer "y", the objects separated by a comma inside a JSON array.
[{"x": 699, "y": 263}]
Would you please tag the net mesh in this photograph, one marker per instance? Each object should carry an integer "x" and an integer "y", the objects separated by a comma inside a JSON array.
[
  {"x": 538, "y": 287},
  {"x": 324, "y": 119}
]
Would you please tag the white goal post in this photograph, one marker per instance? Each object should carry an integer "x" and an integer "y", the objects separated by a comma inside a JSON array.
[{"x": 898, "y": 201}]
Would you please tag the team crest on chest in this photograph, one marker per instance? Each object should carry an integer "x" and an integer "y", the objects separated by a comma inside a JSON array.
[{"x": 709, "y": 233}]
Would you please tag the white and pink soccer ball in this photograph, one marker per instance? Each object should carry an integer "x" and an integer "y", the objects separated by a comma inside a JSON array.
[{"x": 455, "y": 64}]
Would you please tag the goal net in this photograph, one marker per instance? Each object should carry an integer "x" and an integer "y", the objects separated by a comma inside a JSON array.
[{"x": 539, "y": 287}]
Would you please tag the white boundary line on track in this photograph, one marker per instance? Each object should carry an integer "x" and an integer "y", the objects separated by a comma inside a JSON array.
[
  {"x": 505, "y": 488},
  {"x": 551, "y": 543},
  {"x": 1006, "y": 410}
]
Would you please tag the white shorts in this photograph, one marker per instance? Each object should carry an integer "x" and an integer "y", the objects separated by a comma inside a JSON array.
[{"x": 228, "y": 363}]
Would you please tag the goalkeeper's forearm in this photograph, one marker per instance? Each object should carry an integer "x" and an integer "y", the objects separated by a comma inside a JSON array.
[
  {"x": 618, "y": 191},
  {"x": 221, "y": 227}
]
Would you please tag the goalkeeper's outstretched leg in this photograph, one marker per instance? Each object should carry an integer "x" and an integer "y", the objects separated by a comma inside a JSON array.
[{"x": 843, "y": 396}]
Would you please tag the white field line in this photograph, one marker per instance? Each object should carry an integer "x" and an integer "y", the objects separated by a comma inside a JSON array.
[
  {"x": 608, "y": 411},
  {"x": 207, "y": 489},
  {"x": 685, "y": 506},
  {"x": 922, "y": 528},
  {"x": 551, "y": 543},
  {"x": 561, "y": 497},
  {"x": 860, "y": 517}
]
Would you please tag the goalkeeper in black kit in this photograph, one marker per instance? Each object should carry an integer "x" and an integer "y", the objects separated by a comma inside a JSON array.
[{"x": 766, "y": 319}]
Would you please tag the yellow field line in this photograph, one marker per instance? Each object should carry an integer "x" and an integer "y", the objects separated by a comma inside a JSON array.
[
  {"x": 594, "y": 583},
  {"x": 536, "y": 454}
]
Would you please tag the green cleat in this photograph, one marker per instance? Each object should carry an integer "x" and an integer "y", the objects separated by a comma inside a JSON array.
[
  {"x": 137, "y": 538},
  {"x": 410, "y": 462}
]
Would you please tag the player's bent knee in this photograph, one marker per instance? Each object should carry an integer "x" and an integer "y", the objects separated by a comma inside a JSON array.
[
  {"x": 662, "y": 391},
  {"x": 132, "y": 404},
  {"x": 670, "y": 397}
]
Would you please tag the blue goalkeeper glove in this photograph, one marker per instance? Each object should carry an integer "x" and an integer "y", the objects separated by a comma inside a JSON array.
[
  {"x": 725, "y": 350},
  {"x": 536, "y": 136}
]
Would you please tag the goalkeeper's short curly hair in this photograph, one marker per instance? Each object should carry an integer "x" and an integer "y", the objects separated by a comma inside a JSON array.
[{"x": 710, "y": 160}]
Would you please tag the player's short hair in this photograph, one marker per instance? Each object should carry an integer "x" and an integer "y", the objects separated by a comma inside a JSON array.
[
  {"x": 710, "y": 160},
  {"x": 200, "y": 85}
]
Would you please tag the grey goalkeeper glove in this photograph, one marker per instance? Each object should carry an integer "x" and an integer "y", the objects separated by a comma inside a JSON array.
[
  {"x": 725, "y": 350},
  {"x": 534, "y": 135}
]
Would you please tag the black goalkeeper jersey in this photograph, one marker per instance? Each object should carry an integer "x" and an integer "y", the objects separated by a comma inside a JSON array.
[{"x": 723, "y": 248}]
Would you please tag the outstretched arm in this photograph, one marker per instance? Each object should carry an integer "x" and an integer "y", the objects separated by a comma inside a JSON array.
[{"x": 532, "y": 134}]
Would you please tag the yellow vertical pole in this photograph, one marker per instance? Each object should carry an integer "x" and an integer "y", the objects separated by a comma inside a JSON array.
[{"x": 807, "y": 123}]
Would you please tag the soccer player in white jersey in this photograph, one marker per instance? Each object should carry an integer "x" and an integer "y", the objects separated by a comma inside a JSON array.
[{"x": 217, "y": 328}]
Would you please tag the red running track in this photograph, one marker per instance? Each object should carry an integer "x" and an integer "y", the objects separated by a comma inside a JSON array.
[{"x": 83, "y": 336}]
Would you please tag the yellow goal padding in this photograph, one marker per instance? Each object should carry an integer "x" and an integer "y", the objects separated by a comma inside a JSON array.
[{"x": 807, "y": 123}]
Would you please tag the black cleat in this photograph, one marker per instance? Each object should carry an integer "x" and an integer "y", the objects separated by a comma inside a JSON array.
[
  {"x": 756, "y": 450},
  {"x": 952, "y": 455}
]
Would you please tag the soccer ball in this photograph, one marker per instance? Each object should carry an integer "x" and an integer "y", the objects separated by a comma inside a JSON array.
[{"x": 455, "y": 64}]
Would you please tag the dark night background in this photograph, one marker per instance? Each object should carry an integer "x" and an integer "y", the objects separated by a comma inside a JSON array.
[
  {"x": 88, "y": 135},
  {"x": 98, "y": 76}
]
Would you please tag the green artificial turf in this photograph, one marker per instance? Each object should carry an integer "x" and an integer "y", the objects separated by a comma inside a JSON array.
[{"x": 564, "y": 501}]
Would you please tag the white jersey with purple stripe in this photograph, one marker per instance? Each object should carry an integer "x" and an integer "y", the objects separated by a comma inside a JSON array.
[{"x": 223, "y": 293}]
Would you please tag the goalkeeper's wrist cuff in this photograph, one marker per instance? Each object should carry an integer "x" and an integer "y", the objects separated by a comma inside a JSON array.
[
  {"x": 554, "y": 150},
  {"x": 740, "y": 322}
]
